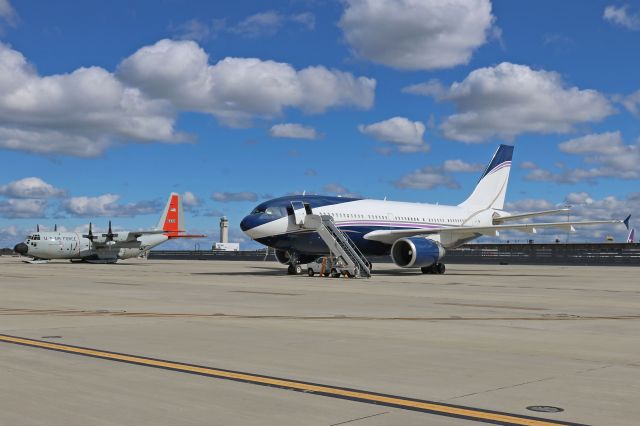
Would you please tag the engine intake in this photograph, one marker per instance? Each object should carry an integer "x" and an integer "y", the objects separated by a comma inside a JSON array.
[
  {"x": 416, "y": 252},
  {"x": 284, "y": 257}
]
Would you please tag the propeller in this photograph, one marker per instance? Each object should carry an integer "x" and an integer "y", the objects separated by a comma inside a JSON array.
[
  {"x": 90, "y": 235},
  {"x": 109, "y": 236}
]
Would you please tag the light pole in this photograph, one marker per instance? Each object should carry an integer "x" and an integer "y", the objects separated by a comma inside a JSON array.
[{"x": 568, "y": 220}]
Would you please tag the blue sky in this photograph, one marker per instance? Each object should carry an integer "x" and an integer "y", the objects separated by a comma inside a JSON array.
[{"x": 107, "y": 107}]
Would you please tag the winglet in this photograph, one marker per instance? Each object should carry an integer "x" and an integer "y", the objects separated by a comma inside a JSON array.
[{"x": 626, "y": 222}]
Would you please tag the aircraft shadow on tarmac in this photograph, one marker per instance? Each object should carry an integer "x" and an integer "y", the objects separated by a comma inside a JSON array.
[
  {"x": 255, "y": 271},
  {"x": 270, "y": 271}
]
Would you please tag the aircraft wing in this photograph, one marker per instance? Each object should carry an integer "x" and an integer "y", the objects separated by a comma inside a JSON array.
[
  {"x": 123, "y": 237},
  {"x": 390, "y": 236}
]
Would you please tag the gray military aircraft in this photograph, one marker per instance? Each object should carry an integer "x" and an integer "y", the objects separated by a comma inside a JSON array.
[{"x": 108, "y": 247}]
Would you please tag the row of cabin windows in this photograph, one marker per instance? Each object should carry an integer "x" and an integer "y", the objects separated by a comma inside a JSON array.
[{"x": 401, "y": 218}]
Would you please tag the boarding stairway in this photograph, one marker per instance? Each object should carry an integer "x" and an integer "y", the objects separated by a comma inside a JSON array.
[{"x": 349, "y": 257}]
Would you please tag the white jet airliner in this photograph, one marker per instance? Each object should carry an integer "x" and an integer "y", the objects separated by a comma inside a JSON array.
[
  {"x": 109, "y": 247},
  {"x": 416, "y": 235}
]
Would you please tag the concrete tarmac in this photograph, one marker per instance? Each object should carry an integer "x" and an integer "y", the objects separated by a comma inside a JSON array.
[{"x": 491, "y": 337}]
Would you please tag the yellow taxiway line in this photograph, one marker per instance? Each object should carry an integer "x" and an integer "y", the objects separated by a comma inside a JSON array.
[{"x": 470, "y": 413}]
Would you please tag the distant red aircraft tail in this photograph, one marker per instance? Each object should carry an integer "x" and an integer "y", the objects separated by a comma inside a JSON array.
[{"x": 172, "y": 220}]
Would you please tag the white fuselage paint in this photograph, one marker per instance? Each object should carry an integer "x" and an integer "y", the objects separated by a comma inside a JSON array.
[
  {"x": 383, "y": 214},
  {"x": 72, "y": 245}
]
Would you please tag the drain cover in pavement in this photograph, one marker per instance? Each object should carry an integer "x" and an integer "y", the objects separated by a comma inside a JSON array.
[{"x": 544, "y": 409}]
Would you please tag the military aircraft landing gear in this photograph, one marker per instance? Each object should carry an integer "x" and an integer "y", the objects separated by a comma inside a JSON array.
[{"x": 437, "y": 268}]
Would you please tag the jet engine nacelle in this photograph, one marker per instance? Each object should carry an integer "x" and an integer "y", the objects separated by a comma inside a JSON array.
[
  {"x": 284, "y": 257},
  {"x": 416, "y": 252}
]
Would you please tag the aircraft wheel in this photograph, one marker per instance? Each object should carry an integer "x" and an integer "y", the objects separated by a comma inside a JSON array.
[
  {"x": 298, "y": 269},
  {"x": 427, "y": 269},
  {"x": 310, "y": 272},
  {"x": 440, "y": 268},
  {"x": 334, "y": 273},
  {"x": 291, "y": 270}
]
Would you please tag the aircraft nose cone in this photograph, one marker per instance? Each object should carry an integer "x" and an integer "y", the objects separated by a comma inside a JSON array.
[
  {"x": 245, "y": 224},
  {"x": 21, "y": 248}
]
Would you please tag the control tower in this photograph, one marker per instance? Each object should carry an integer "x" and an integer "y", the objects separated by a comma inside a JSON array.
[
  {"x": 224, "y": 244},
  {"x": 224, "y": 230}
]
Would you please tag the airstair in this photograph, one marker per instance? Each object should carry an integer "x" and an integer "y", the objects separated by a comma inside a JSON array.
[{"x": 348, "y": 256}]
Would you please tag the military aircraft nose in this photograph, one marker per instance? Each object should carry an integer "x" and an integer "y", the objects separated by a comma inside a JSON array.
[{"x": 21, "y": 248}]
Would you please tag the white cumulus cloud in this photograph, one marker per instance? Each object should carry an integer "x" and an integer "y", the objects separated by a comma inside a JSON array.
[
  {"x": 107, "y": 205},
  {"x": 235, "y": 90},
  {"x": 294, "y": 131},
  {"x": 191, "y": 200},
  {"x": 7, "y": 12},
  {"x": 416, "y": 34},
  {"x": 22, "y": 208},
  {"x": 405, "y": 134},
  {"x": 620, "y": 15},
  {"x": 457, "y": 166},
  {"x": 434, "y": 176},
  {"x": 630, "y": 102},
  {"x": 30, "y": 187},
  {"x": 226, "y": 197},
  {"x": 261, "y": 24},
  {"x": 340, "y": 190},
  {"x": 529, "y": 205},
  {"x": 509, "y": 99},
  {"x": 80, "y": 113},
  {"x": 605, "y": 154}
]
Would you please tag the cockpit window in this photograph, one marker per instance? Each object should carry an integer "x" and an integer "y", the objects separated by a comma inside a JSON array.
[
  {"x": 273, "y": 211},
  {"x": 276, "y": 211}
]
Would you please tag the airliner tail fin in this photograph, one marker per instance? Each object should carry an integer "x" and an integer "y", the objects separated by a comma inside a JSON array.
[{"x": 492, "y": 186}]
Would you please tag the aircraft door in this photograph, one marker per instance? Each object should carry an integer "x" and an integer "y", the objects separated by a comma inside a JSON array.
[{"x": 300, "y": 211}]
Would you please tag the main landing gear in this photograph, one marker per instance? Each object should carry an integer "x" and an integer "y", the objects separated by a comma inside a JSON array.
[
  {"x": 294, "y": 269},
  {"x": 436, "y": 268}
]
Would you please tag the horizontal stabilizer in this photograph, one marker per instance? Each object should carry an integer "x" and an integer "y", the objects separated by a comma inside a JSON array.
[
  {"x": 173, "y": 235},
  {"x": 513, "y": 217}
]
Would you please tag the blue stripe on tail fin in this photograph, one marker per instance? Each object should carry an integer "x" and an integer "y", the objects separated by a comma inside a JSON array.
[{"x": 503, "y": 155}]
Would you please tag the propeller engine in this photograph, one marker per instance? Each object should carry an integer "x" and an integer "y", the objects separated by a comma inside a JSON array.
[
  {"x": 90, "y": 235},
  {"x": 109, "y": 236}
]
